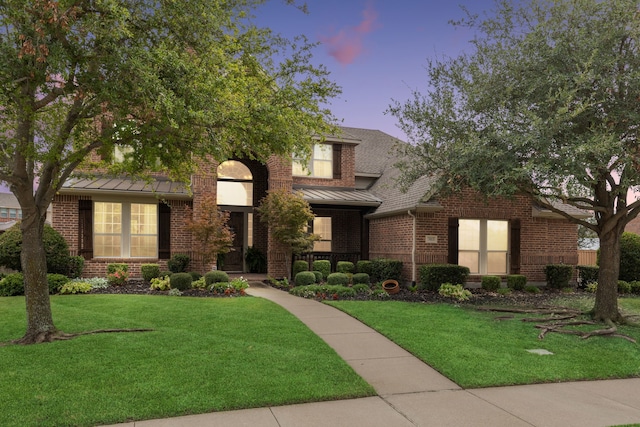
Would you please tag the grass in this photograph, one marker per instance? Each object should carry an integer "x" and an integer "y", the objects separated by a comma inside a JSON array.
[
  {"x": 474, "y": 350},
  {"x": 205, "y": 354}
]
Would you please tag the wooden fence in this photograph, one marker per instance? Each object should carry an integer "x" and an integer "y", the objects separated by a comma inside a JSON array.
[{"x": 586, "y": 257}]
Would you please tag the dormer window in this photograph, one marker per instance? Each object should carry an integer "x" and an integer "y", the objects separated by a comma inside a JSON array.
[{"x": 319, "y": 166}]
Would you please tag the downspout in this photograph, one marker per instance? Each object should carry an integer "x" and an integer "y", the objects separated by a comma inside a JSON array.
[{"x": 413, "y": 249}]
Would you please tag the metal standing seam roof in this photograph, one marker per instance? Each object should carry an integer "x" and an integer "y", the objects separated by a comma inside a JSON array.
[
  {"x": 126, "y": 186},
  {"x": 341, "y": 197}
]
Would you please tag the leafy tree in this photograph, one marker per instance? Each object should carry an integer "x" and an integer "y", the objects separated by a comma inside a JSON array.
[
  {"x": 210, "y": 230},
  {"x": 288, "y": 216},
  {"x": 168, "y": 82},
  {"x": 546, "y": 105}
]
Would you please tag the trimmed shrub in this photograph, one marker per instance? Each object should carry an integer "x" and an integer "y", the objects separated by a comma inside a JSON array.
[
  {"x": 490, "y": 283},
  {"x": 635, "y": 287},
  {"x": 318, "y": 275},
  {"x": 586, "y": 274},
  {"x": 456, "y": 292},
  {"x": 195, "y": 275},
  {"x": 56, "y": 282},
  {"x": 179, "y": 263},
  {"x": 517, "y": 282},
  {"x": 432, "y": 276},
  {"x": 386, "y": 269},
  {"x": 361, "y": 288},
  {"x": 323, "y": 266},
  {"x": 199, "y": 283},
  {"x": 12, "y": 285},
  {"x": 117, "y": 274},
  {"x": 532, "y": 289},
  {"x": 117, "y": 266},
  {"x": 180, "y": 281},
  {"x": 76, "y": 267},
  {"x": 361, "y": 278},
  {"x": 149, "y": 271},
  {"x": 305, "y": 278},
  {"x": 215, "y": 276},
  {"x": 558, "y": 275},
  {"x": 55, "y": 247},
  {"x": 75, "y": 288},
  {"x": 629, "y": 257},
  {"x": 624, "y": 287},
  {"x": 345, "y": 267},
  {"x": 300, "y": 265},
  {"x": 364, "y": 266},
  {"x": 338, "y": 279}
]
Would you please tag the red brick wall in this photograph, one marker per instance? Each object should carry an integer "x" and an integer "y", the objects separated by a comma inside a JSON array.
[
  {"x": 543, "y": 240},
  {"x": 345, "y": 229}
]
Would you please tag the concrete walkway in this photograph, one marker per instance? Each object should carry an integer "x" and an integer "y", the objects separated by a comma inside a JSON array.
[{"x": 410, "y": 393}]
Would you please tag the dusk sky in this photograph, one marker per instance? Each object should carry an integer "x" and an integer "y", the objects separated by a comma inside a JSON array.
[{"x": 376, "y": 50}]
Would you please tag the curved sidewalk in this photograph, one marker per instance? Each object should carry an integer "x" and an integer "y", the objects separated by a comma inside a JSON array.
[{"x": 410, "y": 393}]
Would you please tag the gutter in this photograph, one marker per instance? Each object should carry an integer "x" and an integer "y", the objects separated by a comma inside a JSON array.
[{"x": 413, "y": 249}]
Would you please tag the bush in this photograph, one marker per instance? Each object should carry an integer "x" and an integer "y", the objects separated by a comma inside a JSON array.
[
  {"x": 117, "y": 266},
  {"x": 323, "y": 266},
  {"x": 149, "y": 271},
  {"x": 635, "y": 287},
  {"x": 95, "y": 282},
  {"x": 56, "y": 282},
  {"x": 592, "y": 287},
  {"x": 490, "y": 283},
  {"x": 338, "y": 279},
  {"x": 75, "y": 288},
  {"x": 215, "y": 276},
  {"x": 323, "y": 291},
  {"x": 344, "y": 267},
  {"x": 180, "y": 281},
  {"x": 76, "y": 267},
  {"x": 318, "y": 275},
  {"x": 55, "y": 247},
  {"x": 236, "y": 286},
  {"x": 386, "y": 269},
  {"x": 558, "y": 275},
  {"x": 117, "y": 274},
  {"x": 162, "y": 283},
  {"x": 624, "y": 287},
  {"x": 361, "y": 278},
  {"x": 361, "y": 288},
  {"x": 364, "y": 266},
  {"x": 532, "y": 289},
  {"x": 12, "y": 285},
  {"x": 586, "y": 274},
  {"x": 517, "y": 282},
  {"x": 629, "y": 257},
  {"x": 456, "y": 292},
  {"x": 198, "y": 283},
  {"x": 432, "y": 276},
  {"x": 256, "y": 260},
  {"x": 300, "y": 265},
  {"x": 178, "y": 263},
  {"x": 195, "y": 275},
  {"x": 304, "y": 278}
]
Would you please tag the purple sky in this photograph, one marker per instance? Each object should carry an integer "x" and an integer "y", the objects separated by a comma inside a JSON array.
[{"x": 376, "y": 50}]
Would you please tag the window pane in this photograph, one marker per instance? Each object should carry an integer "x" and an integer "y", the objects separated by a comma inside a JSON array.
[
  {"x": 497, "y": 235},
  {"x": 299, "y": 169},
  {"x": 144, "y": 219},
  {"x": 469, "y": 234},
  {"x": 144, "y": 246},
  {"x": 322, "y": 169},
  {"x": 471, "y": 260},
  {"x": 322, "y": 227},
  {"x": 321, "y": 246},
  {"x": 107, "y": 217},
  {"x": 235, "y": 193},
  {"x": 106, "y": 246},
  {"x": 323, "y": 152},
  {"x": 4, "y": 213},
  {"x": 497, "y": 263},
  {"x": 233, "y": 169}
]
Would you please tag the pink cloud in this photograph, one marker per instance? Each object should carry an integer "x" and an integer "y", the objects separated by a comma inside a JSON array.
[{"x": 347, "y": 44}]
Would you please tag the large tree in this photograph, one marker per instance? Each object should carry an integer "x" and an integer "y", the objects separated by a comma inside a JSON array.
[
  {"x": 168, "y": 81},
  {"x": 545, "y": 104}
]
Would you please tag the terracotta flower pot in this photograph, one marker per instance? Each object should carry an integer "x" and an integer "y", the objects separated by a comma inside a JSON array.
[{"x": 391, "y": 286}]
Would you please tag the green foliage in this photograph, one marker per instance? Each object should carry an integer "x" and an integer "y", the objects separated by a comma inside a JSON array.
[
  {"x": 635, "y": 287},
  {"x": 587, "y": 274},
  {"x": 199, "y": 283},
  {"x": 12, "y": 285},
  {"x": 149, "y": 271},
  {"x": 304, "y": 278},
  {"x": 517, "y": 282},
  {"x": 319, "y": 276},
  {"x": 490, "y": 283},
  {"x": 457, "y": 292},
  {"x": 322, "y": 292},
  {"x": 364, "y": 266},
  {"x": 624, "y": 287},
  {"x": 433, "y": 275},
  {"x": 361, "y": 278},
  {"x": 323, "y": 266},
  {"x": 215, "y": 276},
  {"x": 95, "y": 282},
  {"x": 55, "y": 247},
  {"x": 558, "y": 275},
  {"x": 75, "y": 288},
  {"x": 345, "y": 267},
  {"x": 235, "y": 287},
  {"x": 629, "y": 257},
  {"x": 300, "y": 265},
  {"x": 256, "y": 260},
  {"x": 161, "y": 283},
  {"x": 361, "y": 289},
  {"x": 116, "y": 266},
  {"x": 195, "y": 275},
  {"x": 504, "y": 291},
  {"x": 180, "y": 281},
  {"x": 117, "y": 274},
  {"x": 386, "y": 269},
  {"x": 532, "y": 289},
  {"x": 592, "y": 287},
  {"x": 337, "y": 279},
  {"x": 174, "y": 292},
  {"x": 76, "y": 266},
  {"x": 56, "y": 281},
  {"x": 179, "y": 263},
  {"x": 210, "y": 231}
]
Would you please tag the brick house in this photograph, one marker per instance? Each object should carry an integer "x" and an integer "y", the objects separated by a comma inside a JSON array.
[{"x": 360, "y": 214}]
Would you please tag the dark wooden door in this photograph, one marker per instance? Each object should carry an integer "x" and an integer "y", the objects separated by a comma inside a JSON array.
[{"x": 233, "y": 261}]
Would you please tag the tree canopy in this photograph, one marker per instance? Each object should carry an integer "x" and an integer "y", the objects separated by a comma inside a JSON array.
[{"x": 545, "y": 104}]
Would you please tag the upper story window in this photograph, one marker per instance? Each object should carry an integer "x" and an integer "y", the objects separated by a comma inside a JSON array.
[
  {"x": 483, "y": 245},
  {"x": 10, "y": 213},
  {"x": 319, "y": 166},
  {"x": 235, "y": 184}
]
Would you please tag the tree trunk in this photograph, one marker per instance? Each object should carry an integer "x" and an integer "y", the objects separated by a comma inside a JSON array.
[
  {"x": 40, "y": 327},
  {"x": 606, "y": 305}
]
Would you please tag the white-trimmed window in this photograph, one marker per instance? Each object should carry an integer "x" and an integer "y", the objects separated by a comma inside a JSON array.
[
  {"x": 235, "y": 184},
  {"x": 322, "y": 227},
  {"x": 125, "y": 230},
  {"x": 483, "y": 245},
  {"x": 319, "y": 166}
]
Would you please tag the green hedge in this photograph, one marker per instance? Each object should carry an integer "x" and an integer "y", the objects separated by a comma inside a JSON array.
[
  {"x": 558, "y": 275},
  {"x": 149, "y": 271},
  {"x": 432, "y": 276},
  {"x": 364, "y": 266},
  {"x": 180, "y": 281},
  {"x": 216, "y": 276},
  {"x": 304, "y": 278},
  {"x": 490, "y": 283},
  {"x": 323, "y": 266},
  {"x": 517, "y": 282},
  {"x": 587, "y": 274},
  {"x": 300, "y": 265},
  {"x": 386, "y": 269},
  {"x": 361, "y": 278},
  {"x": 12, "y": 285},
  {"x": 345, "y": 267},
  {"x": 338, "y": 279}
]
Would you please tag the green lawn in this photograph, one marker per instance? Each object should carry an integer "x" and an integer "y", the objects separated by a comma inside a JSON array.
[
  {"x": 206, "y": 354},
  {"x": 475, "y": 350}
]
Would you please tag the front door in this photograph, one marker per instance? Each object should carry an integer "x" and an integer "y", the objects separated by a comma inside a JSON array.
[{"x": 234, "y": 260}]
